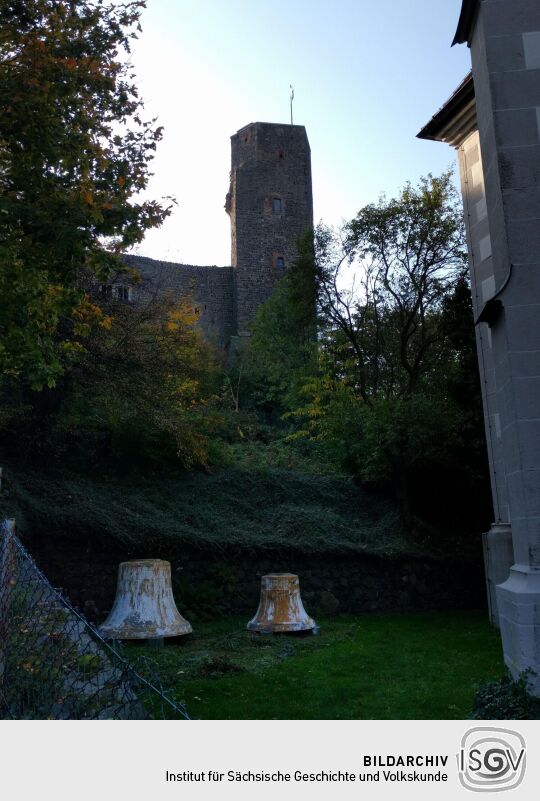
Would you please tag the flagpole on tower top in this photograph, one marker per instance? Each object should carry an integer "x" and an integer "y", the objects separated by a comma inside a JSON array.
[{"x": 292, "y": 98}]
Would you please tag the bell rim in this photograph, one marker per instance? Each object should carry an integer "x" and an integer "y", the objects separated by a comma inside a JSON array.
[
  {"x": 280, "y": 575},
  {"x": 281, "y": 628},
  {"x": 117, "y": 633}
]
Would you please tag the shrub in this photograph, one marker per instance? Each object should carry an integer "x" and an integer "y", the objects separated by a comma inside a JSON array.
[{"x": 506, "y": 699}]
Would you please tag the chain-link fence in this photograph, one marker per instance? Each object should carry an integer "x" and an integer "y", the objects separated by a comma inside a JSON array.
[{"x": 54, "y": 664}]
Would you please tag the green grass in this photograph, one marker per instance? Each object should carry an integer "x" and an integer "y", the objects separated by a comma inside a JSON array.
[{"x": 421, "y": 666}]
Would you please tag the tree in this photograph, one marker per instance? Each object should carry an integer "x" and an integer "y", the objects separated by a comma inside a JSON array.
[
  {"x": 381, "y": 391},
  {"x": 146, "y": 386},
  {"x": 74, "y": 154},
  {"x": 141, "y": 395},
  {"x": 407, "y": 253}
]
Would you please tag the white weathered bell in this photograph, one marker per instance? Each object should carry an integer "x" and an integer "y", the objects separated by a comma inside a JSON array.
[
  {"x": 280, "y": 606},
  {"x": 144, "y": 607}
]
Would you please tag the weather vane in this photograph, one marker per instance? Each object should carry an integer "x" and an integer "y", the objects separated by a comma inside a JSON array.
[{"x": 292, "y": 98}]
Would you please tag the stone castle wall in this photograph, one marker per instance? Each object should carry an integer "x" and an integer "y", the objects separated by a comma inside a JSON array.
[{"x": 208, "y": 288}]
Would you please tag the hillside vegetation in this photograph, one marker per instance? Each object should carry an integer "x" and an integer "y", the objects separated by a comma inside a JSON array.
[{"x": 268, "y": 509}]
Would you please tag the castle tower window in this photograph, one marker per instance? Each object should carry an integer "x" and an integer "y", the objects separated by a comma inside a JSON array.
[
  {"x": 122, "y": 292},
  {"x": 280, "y": 262},
  {"x": 106, "y": 291},
  {"x": 277, "y": 205}
]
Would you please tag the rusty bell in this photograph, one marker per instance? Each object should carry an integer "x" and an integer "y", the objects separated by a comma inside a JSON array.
[{"x": 280, "y": 606}]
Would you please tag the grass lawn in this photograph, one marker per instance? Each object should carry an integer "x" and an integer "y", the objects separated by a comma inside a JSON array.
[{"x": 422, "y": 666}]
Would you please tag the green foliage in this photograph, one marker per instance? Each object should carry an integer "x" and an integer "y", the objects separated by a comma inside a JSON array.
[
  {"x": 278, "y": 453},
  {"x": 330, "y": 418},
  {"x": 283, "y": 342},
  {"x": 245, "y": 509},
  {"x": 405, "y": 255},
  {"x": 148, "y": 383},
  {"x": 74, "y": 153},
  {"x": 396, "y": 390},
  {"x": 243, "y": 440},
  {"x": 398, "y": 433},
  {"x": 506, "y": 699},
  {"x": 79, "y": 381},
  {"x": 142, "y": 394}
]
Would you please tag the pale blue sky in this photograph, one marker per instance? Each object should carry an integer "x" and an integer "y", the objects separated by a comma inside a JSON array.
[{"x": 367, "y": 75}]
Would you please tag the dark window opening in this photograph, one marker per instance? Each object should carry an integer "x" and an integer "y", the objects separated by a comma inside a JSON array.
[
  {"x": 123, "y": 292},
  {"x": 280, "y": 262},
  {"x": 277, "y": 205},
  {"x": 281, "y": 154}
]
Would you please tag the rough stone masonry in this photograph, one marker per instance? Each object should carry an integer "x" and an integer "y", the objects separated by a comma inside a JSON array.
[{"x": 270, "y": 206}]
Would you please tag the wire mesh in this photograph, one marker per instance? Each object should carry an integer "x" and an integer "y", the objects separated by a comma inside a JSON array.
[{"x": 54, "y": 664}]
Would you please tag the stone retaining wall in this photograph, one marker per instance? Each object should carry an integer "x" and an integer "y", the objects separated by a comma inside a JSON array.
[{"x": 211, "y": 583}]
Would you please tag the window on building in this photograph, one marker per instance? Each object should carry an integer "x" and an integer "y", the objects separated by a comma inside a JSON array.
[
  {"x": 277, "y": 205},
  {"x": 116, "y": 291},
  {"x": 122, "y": 292},
  {"x": 280, "y": 262}
]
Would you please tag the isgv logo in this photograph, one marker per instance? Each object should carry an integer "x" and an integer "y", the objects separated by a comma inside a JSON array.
[{"x": 491, "y": 759}]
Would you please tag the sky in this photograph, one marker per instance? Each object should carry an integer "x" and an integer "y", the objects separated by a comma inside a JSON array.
[{"x": 367, "y": 75}]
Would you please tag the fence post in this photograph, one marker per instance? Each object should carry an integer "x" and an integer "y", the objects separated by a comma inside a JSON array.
[{"x": 7, "y": 580}]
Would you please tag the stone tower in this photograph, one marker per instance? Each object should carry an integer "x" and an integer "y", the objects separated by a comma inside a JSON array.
[{"x": 270, "y": 205}]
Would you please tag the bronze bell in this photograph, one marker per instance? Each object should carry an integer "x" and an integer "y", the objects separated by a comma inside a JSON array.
[
  {"x": 144, "y": 607},
  {"x": 280, "y": 606}
]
